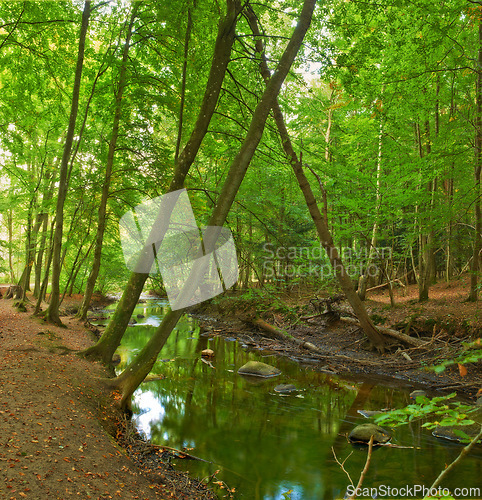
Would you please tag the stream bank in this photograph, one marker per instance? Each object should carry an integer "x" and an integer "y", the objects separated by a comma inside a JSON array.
[
  {"x": 59, "y": 425},
  {"x": 445, "y": 324}
]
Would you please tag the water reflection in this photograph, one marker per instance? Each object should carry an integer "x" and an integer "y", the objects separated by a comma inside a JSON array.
[{"x": 267, "y": 445}]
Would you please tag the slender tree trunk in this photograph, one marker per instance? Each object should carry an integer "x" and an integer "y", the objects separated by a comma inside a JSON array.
[
  {"x": 76, "y": 266},
  {"x": 183, "y": 83},
  {"x": 40, "y": 254},
  {"x": 10, "y": 245},
  {"x": 43, "y": 287},
  {"x": 425, "y": 237},
  {"x": 449, "y": 258},
  {"x": 101, "y": 221},
  {"x": 474, "y": 271},
  {"x": 329, "y": 124},
  {"x": 52, "y": 312},
  {"x": 110, "y": 340},
  {"x": 324, "y": 234},
  {"x": 362, "y": 288},
  {"x": 43, "y": 219},
  {"x": 128, "y": 381}
]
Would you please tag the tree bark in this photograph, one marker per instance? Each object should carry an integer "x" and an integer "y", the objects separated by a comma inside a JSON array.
[
  {"x": 52, "y": 312},
  {"x": 40, "y": 254},
  {"x": 373, "y": 243},
  {"x": 128, "y": 381},
  {"x": 110, "y": 340},
  {"x": 45, "y": 281},
  {"x": 322, "y": 229},
  {"x": 10, "y": 244}
]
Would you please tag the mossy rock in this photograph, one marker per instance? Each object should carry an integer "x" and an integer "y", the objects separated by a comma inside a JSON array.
[
  {"x": 258, "y": 369},
  {"x": 362, "y": 433}
]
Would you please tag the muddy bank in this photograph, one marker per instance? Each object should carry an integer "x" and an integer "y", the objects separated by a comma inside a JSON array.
[{"x": 325, "y": 342}]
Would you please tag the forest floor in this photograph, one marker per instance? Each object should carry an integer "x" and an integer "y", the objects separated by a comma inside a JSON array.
[
  {"x": 446, "y": 323},
  {"x": 61, "y": 435}
]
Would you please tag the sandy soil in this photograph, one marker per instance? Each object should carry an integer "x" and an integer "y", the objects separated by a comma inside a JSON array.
[{"x": 57, "y": 421}]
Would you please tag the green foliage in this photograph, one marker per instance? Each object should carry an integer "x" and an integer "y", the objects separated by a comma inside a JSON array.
[
  {"x": 438, "y": 410},
  {"x": 470, "y": 353},
  {"x": 393, "y": 84}
]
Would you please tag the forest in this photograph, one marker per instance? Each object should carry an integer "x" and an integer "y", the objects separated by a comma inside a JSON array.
[{"x": 339, "y": 142}]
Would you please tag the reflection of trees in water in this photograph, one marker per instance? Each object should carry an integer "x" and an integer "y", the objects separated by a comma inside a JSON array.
[
  {"x": 266, "y": 443},
  {"x": 263, "y": 437}
]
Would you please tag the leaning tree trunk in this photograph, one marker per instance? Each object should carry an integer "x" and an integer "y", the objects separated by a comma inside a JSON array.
[
  {"x": 52, "y": 313},
  {"x": 128, "y": 381},
  {"x": 324, "y": 235},
  {"x": 101, "y": 220},
  {"x": 110, "y": 340}
]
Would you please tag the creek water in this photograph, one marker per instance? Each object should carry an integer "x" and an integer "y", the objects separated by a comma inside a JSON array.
[{"x": 267, "y": 446}]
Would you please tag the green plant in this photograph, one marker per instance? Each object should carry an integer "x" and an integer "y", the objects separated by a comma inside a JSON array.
[
  {"x": 437, "y": 409},
  {"x": 470, "y": 353}
]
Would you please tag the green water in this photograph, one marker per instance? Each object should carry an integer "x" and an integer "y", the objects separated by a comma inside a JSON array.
[{"x": 267, "y": 446}]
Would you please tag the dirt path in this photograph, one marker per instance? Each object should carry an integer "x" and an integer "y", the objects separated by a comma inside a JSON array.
[{"x": 53, "y": 420}]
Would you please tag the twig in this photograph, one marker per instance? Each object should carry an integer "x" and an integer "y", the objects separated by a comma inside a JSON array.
[
  {"x": 365, "y": 469},
  {"x": 182, "y": 454},
  {"x": 208, "y": 363},
  {"x": 342, "y": 464},
  {"x": 462, "y": 454}
]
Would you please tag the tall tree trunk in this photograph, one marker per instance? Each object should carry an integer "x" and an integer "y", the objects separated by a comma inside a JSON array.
[
  {"x": 40, "y": 254},
  {"x": 329, "y": 124},
  {"x": 362, "y": 288},
  {"x": 128, "y": 381},
  {"x": 110, "y": 340},
  {"x": 187, "y": 39},
  {"x": 45, "y": 281},
  {"x": 324, "y": 235},
  {"x": 474, "y": 271},
  {"x": 10, "y": 245},
  {"x": 101, "y": 220},
  {"x": 43, "y": 215},
  {"x": 425, "y": 237},
  {"x": 76, "y": 266},
  {"x": 52, "y": 312}
]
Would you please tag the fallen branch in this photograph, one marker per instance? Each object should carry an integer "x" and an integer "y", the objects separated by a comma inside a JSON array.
[
  {"x": 180, "y": 453},
  {"x": 281, "y": 335},
  {"x": 392, "y": 333},
  {"x": 342, "y": 464},
  {"x": 364, "y": 471},
  {"x": 462, "y": 454},
  {"x": 385, "y": 284}
]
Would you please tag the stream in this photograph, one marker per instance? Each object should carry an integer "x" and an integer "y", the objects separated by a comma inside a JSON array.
[{"x": 268, "y": 446}]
